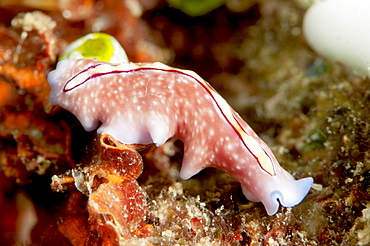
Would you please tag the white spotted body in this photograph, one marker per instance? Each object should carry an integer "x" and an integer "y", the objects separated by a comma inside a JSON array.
[{"x": 150, "y": 103}]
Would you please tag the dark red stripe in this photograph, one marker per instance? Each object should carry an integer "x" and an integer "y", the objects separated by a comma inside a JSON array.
[
  {"x": 85, "y": 70},
  {"x": 252, "y": 152}
]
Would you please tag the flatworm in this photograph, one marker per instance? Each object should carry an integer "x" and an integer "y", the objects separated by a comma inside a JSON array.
[{"x": 150, "y": 103}]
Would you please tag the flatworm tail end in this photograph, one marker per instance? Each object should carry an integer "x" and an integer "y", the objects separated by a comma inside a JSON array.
[
  {"x": 56, "y": 80},
  {"x": 56, "y": 75},
  {"x": 288, "y": 194}
]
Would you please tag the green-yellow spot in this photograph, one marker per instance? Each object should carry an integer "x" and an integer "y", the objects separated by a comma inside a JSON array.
[
  {"x": 99, "y": 48},
  {"x": 196, "y": 7}
]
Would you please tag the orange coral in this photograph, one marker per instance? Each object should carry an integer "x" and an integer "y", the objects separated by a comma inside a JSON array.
[
  {"x": 116, "y": 205},
  {"x": 5, "y": 93},
  {"x": 27, "y": 78}
]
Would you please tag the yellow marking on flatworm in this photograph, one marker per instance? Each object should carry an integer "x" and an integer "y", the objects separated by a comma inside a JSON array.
[{"x": 254, "y": 147}]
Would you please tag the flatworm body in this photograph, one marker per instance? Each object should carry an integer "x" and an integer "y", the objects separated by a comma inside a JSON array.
[{"x": 150, "y": 103}]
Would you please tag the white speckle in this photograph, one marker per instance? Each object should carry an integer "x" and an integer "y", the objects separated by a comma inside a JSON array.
[
  {"x": 229, "y": 146},
  {"x": 203, "y": 142}
]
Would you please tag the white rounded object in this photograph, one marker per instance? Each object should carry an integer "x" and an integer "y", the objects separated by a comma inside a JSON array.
[
  {"x": 340, "y": 30},
  {"x": 97, "y": 46}
]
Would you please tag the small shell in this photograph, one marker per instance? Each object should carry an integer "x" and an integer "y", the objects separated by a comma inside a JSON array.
[{"x": 97, "y": 46}]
